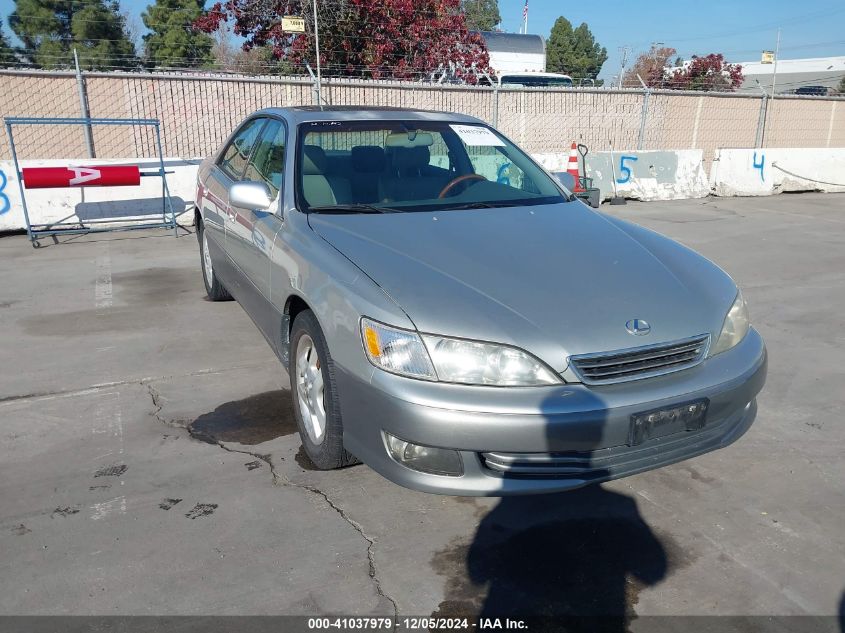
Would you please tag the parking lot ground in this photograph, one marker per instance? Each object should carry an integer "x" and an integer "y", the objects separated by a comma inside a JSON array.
[{"x": 149, "y": 463}]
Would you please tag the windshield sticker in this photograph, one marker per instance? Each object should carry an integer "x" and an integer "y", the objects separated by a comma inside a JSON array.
[{"x": 476, "y": 135}]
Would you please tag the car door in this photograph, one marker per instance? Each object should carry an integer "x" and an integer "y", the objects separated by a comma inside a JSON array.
[
  {"x": 228, "y": 169},
  {"x": 250, "y": 233},
  {"x": 250, "y": 237}
]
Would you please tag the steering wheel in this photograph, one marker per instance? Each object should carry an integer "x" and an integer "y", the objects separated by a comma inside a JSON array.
[{"x": 457, "y": 181}]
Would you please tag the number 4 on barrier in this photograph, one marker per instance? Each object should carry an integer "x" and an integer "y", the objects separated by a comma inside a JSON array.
[
  {"x": 759, "y": 165},
  {"x": 624, "y": 170}
]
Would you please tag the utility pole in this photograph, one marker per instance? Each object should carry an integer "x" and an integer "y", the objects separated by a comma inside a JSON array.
[
  {"x": 83, "y": 106},
  {"x": 775, "y": 69},
  {"x": 623, "y": 52},
  {"x": 317, "y": 47}
]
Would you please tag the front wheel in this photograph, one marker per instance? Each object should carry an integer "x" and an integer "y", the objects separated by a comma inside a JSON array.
[
  {"x": 213, "y": 288},
  {"x": 315, "y": 401}
]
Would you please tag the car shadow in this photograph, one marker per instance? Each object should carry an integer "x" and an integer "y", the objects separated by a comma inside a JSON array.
[
  {"x": 842, "y": 613},
  {"x": 584, "y": 554},
  {"x": 575, "y": 560}
]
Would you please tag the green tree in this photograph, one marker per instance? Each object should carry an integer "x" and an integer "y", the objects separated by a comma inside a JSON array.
[
  {"x": 50, "y": 29},
  {"x": 842, "y": 85},
  {"x": 173, "y": 40},
  {"x": 574, "y": 51},
  {"x": 481, "y": 15},
  {"x": 7, "y": 53}
]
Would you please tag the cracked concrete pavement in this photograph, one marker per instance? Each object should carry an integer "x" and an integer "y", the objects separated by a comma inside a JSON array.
[{"x": 149, "y": 461}]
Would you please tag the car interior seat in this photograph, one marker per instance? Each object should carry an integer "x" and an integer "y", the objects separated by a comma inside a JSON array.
[
  {"x": 410, "y": 177},
  {"x": 367, "y": 164},
  {"x": 318, "y": 187}
]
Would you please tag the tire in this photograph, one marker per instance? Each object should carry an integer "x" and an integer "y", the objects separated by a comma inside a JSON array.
[
  {"x": 213, "y": 288},
  {"x": 318, "y": 418}
]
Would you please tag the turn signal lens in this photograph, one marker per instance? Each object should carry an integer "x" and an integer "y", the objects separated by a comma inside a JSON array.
[
  {"x": 397, "y": 351},
  {"x": 371, "y": 338}
]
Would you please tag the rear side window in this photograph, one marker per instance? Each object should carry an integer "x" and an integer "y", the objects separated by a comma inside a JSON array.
[
  {"x": 268, "y": 160},
  {"x": 237, "y": 152}
]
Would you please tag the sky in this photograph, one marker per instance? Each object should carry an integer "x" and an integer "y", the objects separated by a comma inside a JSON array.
[{"x": 740, "y": 29}]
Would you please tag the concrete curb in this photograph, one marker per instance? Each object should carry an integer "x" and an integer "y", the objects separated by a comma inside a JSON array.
[
  {"x": 769, "y": 171},
  {"x": 641, "y": 175}
]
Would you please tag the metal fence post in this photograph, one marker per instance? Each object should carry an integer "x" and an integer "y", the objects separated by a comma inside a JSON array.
[
  {"x": 495, "y": 87},
  {"x": 83, "y": 107},
  {"x": 315, "y": 90},
  {"x": 760, "y": 137},
  {"x": 644, "y": 114},
  {"x": 761, "y": 120},
  {"x": 830, "y": 125}
]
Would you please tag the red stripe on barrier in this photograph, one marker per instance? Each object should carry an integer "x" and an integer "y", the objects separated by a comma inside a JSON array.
[{"x": 97, "y": 176}]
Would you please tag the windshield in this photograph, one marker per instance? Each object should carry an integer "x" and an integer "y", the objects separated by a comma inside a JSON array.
[
  {"x": 392, "y": 166},
  {"x": 535, "y": 81}
]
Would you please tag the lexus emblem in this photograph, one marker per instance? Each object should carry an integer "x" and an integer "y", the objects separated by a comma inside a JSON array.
[{"x": 638, "y": 327}]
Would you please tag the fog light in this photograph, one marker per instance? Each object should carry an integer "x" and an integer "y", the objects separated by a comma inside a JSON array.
[{"x": 426, "y": 459}]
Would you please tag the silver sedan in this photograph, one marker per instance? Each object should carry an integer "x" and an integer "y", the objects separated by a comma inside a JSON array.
[{"x": 449, "y": 314}]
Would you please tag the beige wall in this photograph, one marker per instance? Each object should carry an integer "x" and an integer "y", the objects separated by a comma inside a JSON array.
[{"x": 197, "y": 113}]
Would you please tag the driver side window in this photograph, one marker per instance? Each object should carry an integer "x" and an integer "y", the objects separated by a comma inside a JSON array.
[
  {"x": 235, "y": 156},
  {"x": 268, "y": 160}
]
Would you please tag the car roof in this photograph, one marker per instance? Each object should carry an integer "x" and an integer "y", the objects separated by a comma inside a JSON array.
[{"x": 303, "y": 114}]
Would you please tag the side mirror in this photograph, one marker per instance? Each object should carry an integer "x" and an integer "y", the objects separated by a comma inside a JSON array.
[
  {"x": 250, "y": 195},
  {"x": 566, "y": 179}
]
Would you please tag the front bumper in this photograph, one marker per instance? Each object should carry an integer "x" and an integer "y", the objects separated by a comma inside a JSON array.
[{"x": 587, "y": 427}]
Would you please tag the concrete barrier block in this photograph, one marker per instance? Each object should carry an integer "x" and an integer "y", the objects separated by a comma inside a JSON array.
[
  {"x": 765, "y": 172},
  {"x": 141, "y": 203},
  {"x": 641, "y": 175}
]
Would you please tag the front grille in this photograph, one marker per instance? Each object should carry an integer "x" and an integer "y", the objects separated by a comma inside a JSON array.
[{"x": 640, "y": 362}]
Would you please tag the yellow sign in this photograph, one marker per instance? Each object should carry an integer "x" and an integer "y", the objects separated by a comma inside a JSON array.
[
  {"x": 293, "y": 24},
  {"x": 768, "y": 57}
]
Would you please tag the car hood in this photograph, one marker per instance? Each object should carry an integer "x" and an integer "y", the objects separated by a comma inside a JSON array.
[{"x": 555, "y": 280}]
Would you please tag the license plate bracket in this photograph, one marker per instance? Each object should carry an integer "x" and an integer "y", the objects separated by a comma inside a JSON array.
[{"x": 688, "y": 416}]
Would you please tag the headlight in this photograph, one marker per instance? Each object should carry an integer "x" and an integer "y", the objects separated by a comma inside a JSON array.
[
  {"x": 475, "y": 363},
  {"x": 734, "y": 328},
  {"x": 452, "y": 360}
]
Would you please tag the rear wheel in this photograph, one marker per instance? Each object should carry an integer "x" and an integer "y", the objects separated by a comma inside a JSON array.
[
  {"x": 315, "y": 401},
  {"x": 213, "y": 287}
]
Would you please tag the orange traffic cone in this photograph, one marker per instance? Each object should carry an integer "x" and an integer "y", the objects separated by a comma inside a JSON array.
[{"x": 572, "y": 168}]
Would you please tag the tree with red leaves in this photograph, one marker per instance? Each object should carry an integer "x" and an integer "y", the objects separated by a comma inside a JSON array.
[
  {"x": 651, "y": 67},
  {"x": 710, "y": 72},
  {"x": 398, "y": 39}
]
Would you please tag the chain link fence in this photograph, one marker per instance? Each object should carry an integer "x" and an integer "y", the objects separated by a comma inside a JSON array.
[{"x": 198, "y": 111}]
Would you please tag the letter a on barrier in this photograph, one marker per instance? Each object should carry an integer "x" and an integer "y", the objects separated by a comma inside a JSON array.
[{"x": 83, "y": 175}]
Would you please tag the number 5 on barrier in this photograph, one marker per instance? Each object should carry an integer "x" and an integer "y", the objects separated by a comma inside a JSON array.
[{"x": 624, "y": 170}]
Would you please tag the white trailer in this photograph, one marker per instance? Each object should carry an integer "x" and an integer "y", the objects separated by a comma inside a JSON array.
[{"x": 515, "y": 53}]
